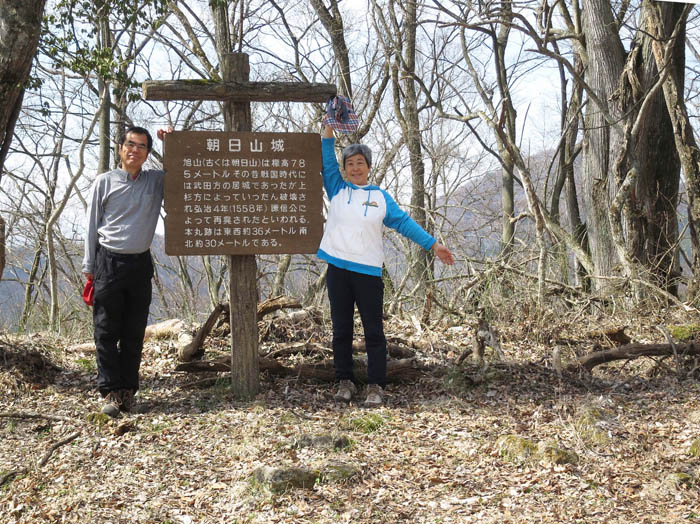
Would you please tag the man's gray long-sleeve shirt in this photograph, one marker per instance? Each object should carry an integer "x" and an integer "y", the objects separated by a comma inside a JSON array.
[{"x": 123, "y": 213}]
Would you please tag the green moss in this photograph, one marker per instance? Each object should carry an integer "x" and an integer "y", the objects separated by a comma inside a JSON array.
[
  {"x": 516, "y": 448},
  {"x": 279, "y": 480},
  {"x": 158, "y": 426},
  {"x": 552, "y": 453},
  {"x": 368, "y": 423},
  {"x": 329, "y": 442},
  {"x": 99, "y": 419},
  {"x": 457, "y": 382},
  {"x": 684, "y": 332},
  {"x": 338, "y": 471},
  {"x": 695, "y": 448},
  {"x": 222, "y": 386},
  {"x": 588, "y": 425},
  {"x": 87, "y": 364},
  {"x": 679, "y": 479}
]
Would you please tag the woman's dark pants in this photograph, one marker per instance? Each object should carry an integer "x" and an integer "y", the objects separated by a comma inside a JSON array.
[{"x": 345, "y": 289}]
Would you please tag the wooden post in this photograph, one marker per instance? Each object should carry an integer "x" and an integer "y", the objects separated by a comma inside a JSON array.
[{"x": 243, "y": 269}]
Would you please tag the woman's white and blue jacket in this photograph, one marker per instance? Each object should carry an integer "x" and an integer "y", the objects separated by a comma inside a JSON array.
[{"x": 352, "y": 238}]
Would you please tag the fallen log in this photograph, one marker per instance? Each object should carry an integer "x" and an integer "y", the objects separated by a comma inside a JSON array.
[
  {"x": 295, "y": 348},
  {"x": 87, "y": 347},
  {"x": 421, "y": 344},
  {"x": 221, "y": 314},
  {"x": 394, "y": 350},
  {"x": 403, "y": 370},
  {"x": 312, "y": 314},
  {"x": 167, "y": 328},
  {"x": 194, "y": 349},
  {"x": 463, "y": 356},
  {"x": 276, "y": 303},
  {"x": 632, "y": 351},
  {"x": 611, "y": 336}
]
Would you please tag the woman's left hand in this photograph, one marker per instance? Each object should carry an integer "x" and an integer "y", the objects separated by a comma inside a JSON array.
[{"x": 443, "y": 253}]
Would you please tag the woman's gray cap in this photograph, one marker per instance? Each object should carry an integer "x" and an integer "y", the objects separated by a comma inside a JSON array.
[{"x": 355, "y": 149}]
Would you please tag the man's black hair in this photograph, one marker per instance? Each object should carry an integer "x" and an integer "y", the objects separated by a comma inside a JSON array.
[{"x": 137, "y": 131}]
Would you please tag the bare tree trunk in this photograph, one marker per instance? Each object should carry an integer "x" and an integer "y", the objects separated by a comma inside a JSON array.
[
  {"x": 650, "y": 219},
  {"x": 2, "y": 246},
  {"x": 188, "y": 293},
  {"x": 576, "y": 225},
  {"x": 54, "y": 323},
  {"x": 20, "y": 26},
  {"x": 411, "y": 125},
  {"x": 29, "y": 288},
  {"x": 578, "y": 229},
  {"x": 507, "y": 206},
  {"x": 406, "y": 109},
  {"x": 333, "y": 23},
  {"x": 396, "y": 25},
  {"x": 314, "y": 293},
  {"x": 213, "y": 281},
  {"x": 280, "y": 274},
  {"x": 565, "y": 180},
  {"x": 606, "y": 58},
  {"x": 666, "y": 57},
  {"x": 571, "y": 15},
  {"x": 630, "y": 174},
  {"x": 507, "y": 121},
  {"x": 161, "y": 292},
  {"x": 103, "y": 164},
  {"x": 49, "y": 225}
]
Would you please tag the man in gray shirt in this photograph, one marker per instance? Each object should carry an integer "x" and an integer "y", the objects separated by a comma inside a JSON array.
[{"x": 121, "y": 221}]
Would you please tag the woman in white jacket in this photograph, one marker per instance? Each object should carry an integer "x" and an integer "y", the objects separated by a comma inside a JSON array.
[{"x": 352, "y": 245}]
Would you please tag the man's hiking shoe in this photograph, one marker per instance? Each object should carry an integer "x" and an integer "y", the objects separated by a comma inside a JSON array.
[
  {"x": 126, "y": 400},
  {"x": 111, "y": 405},
  {"x": 346, "y": 389},
  {"x": 375, "y": 396}
]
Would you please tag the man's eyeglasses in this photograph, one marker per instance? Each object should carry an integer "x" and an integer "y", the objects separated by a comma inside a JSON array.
[{"x": 135, "y": 145}]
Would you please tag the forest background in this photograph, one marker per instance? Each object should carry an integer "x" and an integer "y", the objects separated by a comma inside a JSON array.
[{"x": 534, "y": 139}]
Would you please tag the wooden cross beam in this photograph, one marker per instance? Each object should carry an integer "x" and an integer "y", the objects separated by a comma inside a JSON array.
[{"x": 237, "y": 92}]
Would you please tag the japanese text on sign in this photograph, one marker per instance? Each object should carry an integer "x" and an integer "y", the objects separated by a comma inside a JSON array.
[{"x": 242, "y": 193}]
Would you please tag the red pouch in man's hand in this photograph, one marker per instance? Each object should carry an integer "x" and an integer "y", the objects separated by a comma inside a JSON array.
[{"x": 88, "y": 292}]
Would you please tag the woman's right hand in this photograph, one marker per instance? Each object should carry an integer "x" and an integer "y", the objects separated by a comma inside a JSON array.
[{"x": 443, "y": 253}]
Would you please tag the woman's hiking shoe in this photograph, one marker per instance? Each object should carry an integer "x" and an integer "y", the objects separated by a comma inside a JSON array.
[
  {"x": 126, "y": 400},
  {"x": 111, "y": 405},
  {"x": 346, "y": 389},
  {"x": 375, "y": 396}
]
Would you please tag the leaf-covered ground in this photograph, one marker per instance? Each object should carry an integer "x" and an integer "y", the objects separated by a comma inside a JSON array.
[{"x": 432, "y": 454}]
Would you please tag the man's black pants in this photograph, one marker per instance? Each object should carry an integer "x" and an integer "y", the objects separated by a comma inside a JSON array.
[
  {"x": 120, "y": 313},
  {"x": 345, "y": 289}
]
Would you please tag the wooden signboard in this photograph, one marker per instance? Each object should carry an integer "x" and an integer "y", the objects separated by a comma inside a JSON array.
[{"x": 242, "y": 193}]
